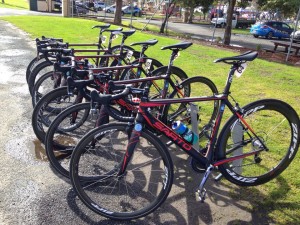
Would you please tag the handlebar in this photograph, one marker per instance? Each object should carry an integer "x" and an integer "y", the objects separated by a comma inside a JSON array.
[{"x": 107, "y": 99}]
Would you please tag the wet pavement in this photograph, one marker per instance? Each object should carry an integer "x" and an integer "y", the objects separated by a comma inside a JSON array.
[{"x": 31, "y": 193}]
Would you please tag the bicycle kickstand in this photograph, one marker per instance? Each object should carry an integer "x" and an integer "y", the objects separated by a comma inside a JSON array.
[{"x": 201, "y": 190}]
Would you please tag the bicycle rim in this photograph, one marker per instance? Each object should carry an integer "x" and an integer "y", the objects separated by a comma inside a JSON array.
[
  {"x": 143, "y": 187},
  {"x": 277, "y": 125}
]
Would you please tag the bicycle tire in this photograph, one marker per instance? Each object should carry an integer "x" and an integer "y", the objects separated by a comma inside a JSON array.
[
  {"x": 42, "y": 86},
  {"x": 193, "y": 87},
  {"x": 116, "y": 50},
  {"x": 277, "y": 125},
  {"x": 32, "y": 64},
  {"x": 128, "y": 74},
  {"x": 48, "y": 108},
  {"x": 150, "y": 168},
  {"x": 67, "y": 129},
  {"x": 155, "y": 87},
  {"x": 37, "y": 72},
  {"x": 60, "y": 139}
]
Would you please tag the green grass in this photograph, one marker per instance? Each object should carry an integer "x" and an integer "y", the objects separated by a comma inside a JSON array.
[
  {"x": 240, "y": 31},
  {"x": 279, "y": 199},
  {"x": 15, "y": 4}
]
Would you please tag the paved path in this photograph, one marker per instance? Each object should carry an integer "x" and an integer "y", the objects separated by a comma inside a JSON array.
[
  {"x": 31, "y": 193},
  {"x": 205, "y": 32}
]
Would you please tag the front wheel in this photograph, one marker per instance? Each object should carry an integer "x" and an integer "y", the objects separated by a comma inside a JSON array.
[
  {"x": 276, "y": 127},
  {"x": 140, "y": 190}
]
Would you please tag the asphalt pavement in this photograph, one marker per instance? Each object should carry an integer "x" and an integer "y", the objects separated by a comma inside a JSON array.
[{"x": 32, "y": 194}]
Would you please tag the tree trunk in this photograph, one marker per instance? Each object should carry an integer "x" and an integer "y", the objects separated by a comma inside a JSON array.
[
  {"x": 169, "y": 12},
  {"x": 227, "y": 34},
  {"x": 191, "y": 15},
  {"x": 118, "y": 13},
  {"x": 3, "y": 2},
  {"x": 185, "y": 16}
]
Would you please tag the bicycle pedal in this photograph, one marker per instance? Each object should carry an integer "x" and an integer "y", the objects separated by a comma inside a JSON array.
[{"x": 201, "y": 195}]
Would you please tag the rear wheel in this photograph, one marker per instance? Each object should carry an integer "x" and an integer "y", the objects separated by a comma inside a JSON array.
[
  {"x": 145, "y": 184},
  {"x": 156, "y": 86},
  {"x": 276, "y": 126},
  {"x": 148, "y": 66},
  {"x": 254, "y": 35},
  {"x": 206, "y": 111}
]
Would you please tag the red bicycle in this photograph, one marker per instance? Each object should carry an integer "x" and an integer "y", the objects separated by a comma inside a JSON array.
[{"x": 124, "y": 171}]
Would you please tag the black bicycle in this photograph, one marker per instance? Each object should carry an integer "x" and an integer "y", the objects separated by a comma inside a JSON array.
[
  {"x": 69, "y": 126},
  {"x": 124, "y": 171}
]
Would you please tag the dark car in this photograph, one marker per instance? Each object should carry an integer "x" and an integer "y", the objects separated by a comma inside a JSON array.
[
  {"x": 57, "y": 5},
  {"x": 271, "y": 29}
]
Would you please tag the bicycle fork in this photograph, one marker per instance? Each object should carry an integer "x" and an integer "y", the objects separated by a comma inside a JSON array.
[{"x": 132, "y": 142}]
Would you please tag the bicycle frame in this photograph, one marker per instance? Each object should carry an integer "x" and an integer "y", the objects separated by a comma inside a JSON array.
[{"x": 207, "y": 160}]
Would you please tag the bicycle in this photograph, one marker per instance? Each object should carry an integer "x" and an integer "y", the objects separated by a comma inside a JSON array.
[
  {"x": 113, "y": 53},
  {"x": 123, "y": 171},
  {"x": 45, "y": 42},
  {"x": 65, "y": 138},
  {"x": 45, "y": 82}
]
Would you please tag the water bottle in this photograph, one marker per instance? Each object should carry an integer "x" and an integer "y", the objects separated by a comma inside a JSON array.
[{"x": 185, "y": 132}]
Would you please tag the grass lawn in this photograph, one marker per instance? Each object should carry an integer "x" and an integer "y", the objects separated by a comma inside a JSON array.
[
  {"x": 16, "y": 4},
  {"x": 279, "y": 199}
]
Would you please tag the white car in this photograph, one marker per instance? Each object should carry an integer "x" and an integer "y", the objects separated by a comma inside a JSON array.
[
  {"x": 110, "y": 9},
  {"x": 99, "y": 6},
  {"x": 296, "y": 35}
]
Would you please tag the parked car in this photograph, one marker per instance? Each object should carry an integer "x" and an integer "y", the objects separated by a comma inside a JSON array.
[
  {"x": 81, "y": 8},
  {"x": 57, "y": 5},
  {"x": 237, "y": 22},
  {"x": 136, "y": 11},
  {"x": 296, "y": 35},
  {"x": 99, "y": 6},
  {"x": 271, "y": 29},
  {"x": 110, "y": 9}
]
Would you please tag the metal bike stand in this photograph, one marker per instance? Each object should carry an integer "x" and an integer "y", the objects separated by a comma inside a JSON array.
[
  {"x": 194, "y": 114},
  {"x": 237, "y": 137}
]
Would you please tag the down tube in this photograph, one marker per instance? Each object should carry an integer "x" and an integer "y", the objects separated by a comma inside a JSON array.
[
  {"x": 174, "y": 137},
  {"x": 133, "y": 140}
]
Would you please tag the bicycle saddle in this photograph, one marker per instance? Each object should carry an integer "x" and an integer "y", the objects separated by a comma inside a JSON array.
[
  {"x": 180, "y": 46},
  {"x": 105, "y": 26},
  {"x": 125, "y": 33},
  {"x": 247, "y": 56},
  {"x": 149, "y": 42},
  {"x": 113, "y": 30}
]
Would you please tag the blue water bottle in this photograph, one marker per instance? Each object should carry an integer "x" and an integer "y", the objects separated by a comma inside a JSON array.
[{"x": 185, "y": 132}]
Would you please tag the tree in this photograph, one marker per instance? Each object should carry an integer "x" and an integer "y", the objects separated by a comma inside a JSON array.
[
  {"x": 190, "y": 5},
  {"x": 243, "y": 3},
  {"x": 3, "y": 2},
  {"x": 205, "y": 6},
  {"x": 118, "y": 13},
  {"x": 227, "y": 34},
  {"x": 288, "y": 8},
  {"x": 169, "y": 11}
]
